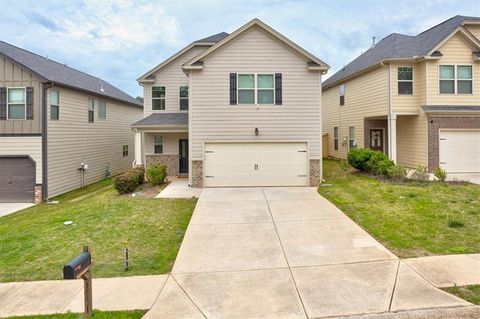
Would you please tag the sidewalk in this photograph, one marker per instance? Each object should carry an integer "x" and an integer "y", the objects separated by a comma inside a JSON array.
[{"x": 50, "y": 297}]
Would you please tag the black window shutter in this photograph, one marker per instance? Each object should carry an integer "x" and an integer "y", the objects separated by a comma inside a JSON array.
[
  {"x": 29, "y": 103},
  {"x": 233, "y": 88},
  {"x": 278, "y": 88},
  {"x": 3, "y": 103}
]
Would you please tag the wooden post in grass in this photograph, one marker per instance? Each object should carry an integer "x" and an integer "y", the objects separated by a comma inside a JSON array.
[{"x": 87, "y": 287}]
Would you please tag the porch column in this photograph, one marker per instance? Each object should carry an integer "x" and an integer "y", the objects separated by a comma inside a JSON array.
[
  {"x": 392, "y": 137},
  {"x": 138, "y": 148}
]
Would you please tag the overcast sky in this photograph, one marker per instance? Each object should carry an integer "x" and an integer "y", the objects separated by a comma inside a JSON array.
[{"x": 120, "y": 40}]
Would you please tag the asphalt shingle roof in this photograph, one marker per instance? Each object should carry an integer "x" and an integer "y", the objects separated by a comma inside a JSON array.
[
  {"x": 61, "y": 74},
  {"x": 399, "y": 46},
  {"x": 166, "y": 119},
  {"x": 214, "y": 38}
]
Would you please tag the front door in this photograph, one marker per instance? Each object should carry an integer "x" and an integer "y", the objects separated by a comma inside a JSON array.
[
  {"x": 183, "y": 156},
  {"x": 376, "y": 139}
]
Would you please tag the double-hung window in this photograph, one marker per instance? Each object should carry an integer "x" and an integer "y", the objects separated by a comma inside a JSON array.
[
  {"x": 102, "y": 109},
  {"x": 91, "y": 111},
  {"x": 335, "y": 138},
  {"x": 158, "y": 98},
  {"x": 256, "y": 89},
  {"x": 183, "y": 98},
  {"x": 341, "y": 93},
  {"x": 405, "y": 80},
  {"x": 16, "y": 104},
  {"x": 158, "y": 144},
  {"x": 351, "y": 138},
  {"x": 456, "y": 79},
  {"x": 54, "y": 105},
  {"x": 125, "y": 150}
]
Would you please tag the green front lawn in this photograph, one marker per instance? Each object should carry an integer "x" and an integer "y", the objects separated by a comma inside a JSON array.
[
  {"x": 469, "y": 293},
  {"x": 136, "y": 314},
  {"x": 408, "y": 218},
  {"x": 35, "y": 244}
]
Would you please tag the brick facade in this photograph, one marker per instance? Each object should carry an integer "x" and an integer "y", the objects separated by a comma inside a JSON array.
[
  {"x": 197, "y": 174},
  {"x": 38, "y": 194},
  {"x": 374, "y": 123},
  {"x": 314, "y": 172},
  {"x": 170, "y": 160},
  {"x": 439, "y": 122}
]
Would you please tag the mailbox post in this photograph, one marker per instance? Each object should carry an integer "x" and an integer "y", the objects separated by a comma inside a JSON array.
[{"x": 81, "y": 267}]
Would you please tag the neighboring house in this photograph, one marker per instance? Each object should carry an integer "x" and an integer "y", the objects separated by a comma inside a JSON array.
[
  {"x": 240, "y": 109},
  {"x": 53, "y": 119},
  {"x": 416, "y": 98}
]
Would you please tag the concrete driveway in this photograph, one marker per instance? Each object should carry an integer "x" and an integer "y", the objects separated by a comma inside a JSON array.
[
  {"x": 10, "y": 208},
  {"x": 285, "y": 253}
]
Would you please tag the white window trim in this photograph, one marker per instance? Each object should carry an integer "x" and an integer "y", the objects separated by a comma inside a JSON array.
[
  {"x": 412, "y": 80},
  {"x": 159, "y": 98},
  {"x": 455, "y": 79},
  {"x": 24, "y": 104},
  {"x": 336, "y": 138},
  {"x": 99, "y": 117},
  {"x": 181, "y": 98},
  {"x": 350, "y": 139},
  {"x": 255, "y": 89},
  {"x": 155, "y": 144},
  {"x": 57, "y": 105},
  {"x": 124, "y": 148}
]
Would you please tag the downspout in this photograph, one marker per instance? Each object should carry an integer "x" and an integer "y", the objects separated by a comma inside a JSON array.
[{"x": 45, "y": 86}]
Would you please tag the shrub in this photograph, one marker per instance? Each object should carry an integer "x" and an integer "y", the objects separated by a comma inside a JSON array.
[
  {"x": 420, "y": 174},
  {"x": 379, "y": 164},
  {"x": 397, "y": 173},
  {"x": 359, "y": 157},
  {"x": 156, "y": 174},
  {"x": 140, "y": 171},
  {"x": 127, "y": 182},
  {"x": 441, "y": 174}
]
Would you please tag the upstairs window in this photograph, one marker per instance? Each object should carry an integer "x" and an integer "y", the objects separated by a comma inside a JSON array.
[
  {"x": 183, "y": 98},
  {"x": 158, "y": 144},
  {"x": 405, "y": 80},
  {"x": 16, "y": 104},
  {"x": 265, "y": 89},
  {"x": 335, "y": 138},
  {"x": 54, "y": 105},
  {"x": 158, "y": 98},
  {"x": 91, "y": 110},
  {"x": 456, "y": 79},
  {"x": 341, "y": 93},
  {"x": 102, "y": 109},
  {"x": 246, "y": 89}
]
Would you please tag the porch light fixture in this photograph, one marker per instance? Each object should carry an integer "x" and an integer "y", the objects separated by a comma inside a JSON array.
[{"x": 256, "y": 131}]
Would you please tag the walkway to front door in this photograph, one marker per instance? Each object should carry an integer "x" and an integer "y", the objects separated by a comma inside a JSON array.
[{"x": 285, "y": 253}]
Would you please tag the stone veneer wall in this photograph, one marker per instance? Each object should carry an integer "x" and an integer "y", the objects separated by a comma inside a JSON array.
[
  {"x": 314, "y": 172},
  {"x": 372, "y": 123},
  {"x": 38, "y": 194},
  {"x": 171, "y": 160},
  {"x": 438, "y": 122},
  {"x": 197, "y": 174}
]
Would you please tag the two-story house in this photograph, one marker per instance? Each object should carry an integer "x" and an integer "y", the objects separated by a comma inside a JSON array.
[
  {"x": 239, "y": 109},
  {"x": 416, "y": 98},
  {"x": 60, "y": 128}
]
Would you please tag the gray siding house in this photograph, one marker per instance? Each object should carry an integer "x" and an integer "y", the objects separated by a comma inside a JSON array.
[
  {"x": 239, "y": 109},
  {"x": 59, "y": 128}
]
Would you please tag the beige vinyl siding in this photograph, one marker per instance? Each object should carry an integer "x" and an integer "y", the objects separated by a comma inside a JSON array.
[
  {"x": 412, "y": 139},
  {"x": 455, "y": 51},
  {"x": 24, "y": 145},
  {"x": 72, "y": 140},
  {"x": 408, "y": 103},
  {"x": 474, "y": 29},
  {"x": 365, "y": 96},
  {"x": 255, "y": 51},
  {"x": 14, "y": 75},
  {"x": 172, "y": 77},
  {"x": 170, "y": 142}
]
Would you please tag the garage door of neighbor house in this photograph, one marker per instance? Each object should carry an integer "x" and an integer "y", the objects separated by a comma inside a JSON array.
[
  {"x": 17, "y": 180},
  {"x": 256, "y": 164},
  {"x": 460, "y": 151}
]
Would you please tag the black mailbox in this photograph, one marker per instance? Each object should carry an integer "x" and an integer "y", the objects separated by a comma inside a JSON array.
[{"x": 78, "y": 266}]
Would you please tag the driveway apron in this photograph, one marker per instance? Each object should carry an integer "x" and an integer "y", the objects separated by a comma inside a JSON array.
[{"x": 285, "y": 252}]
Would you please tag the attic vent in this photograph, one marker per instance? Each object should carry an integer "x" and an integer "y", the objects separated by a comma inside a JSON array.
[{"x": 437, "y": 54}]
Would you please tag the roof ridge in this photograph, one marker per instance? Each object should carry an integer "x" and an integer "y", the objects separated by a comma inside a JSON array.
[{"x": 50, "y": 60}]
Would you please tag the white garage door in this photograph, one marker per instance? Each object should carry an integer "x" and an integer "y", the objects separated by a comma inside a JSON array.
[
  {"x": 256, "y": 164},
  {"x": 460, "y": 151}
]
